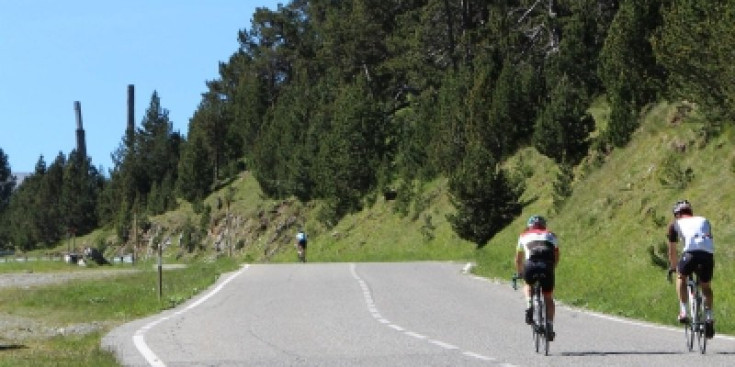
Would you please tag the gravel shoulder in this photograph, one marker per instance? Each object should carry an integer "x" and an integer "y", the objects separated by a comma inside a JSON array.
[
  {"x": 15, "y": 329},
  {"x": 25, "y": 280}
]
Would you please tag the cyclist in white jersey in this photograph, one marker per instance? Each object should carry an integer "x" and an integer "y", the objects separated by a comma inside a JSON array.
[
  {"x": 695, "y": 232},
  {"x": 301, "y": 241},
  {"x": 537, "y": 254}
]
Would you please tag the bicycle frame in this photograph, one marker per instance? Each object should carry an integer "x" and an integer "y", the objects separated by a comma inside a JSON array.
[
  {"x": 540, "y": 331},
  {"x": 695, "y": 327},
  {"x": 538, "y": 328}
]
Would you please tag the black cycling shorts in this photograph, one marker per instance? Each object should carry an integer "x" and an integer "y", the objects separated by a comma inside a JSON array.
[
  {"x": 541, "y": 270},
  {"x": 302, "y": 243},
  {"x": 701, "y": 263}
]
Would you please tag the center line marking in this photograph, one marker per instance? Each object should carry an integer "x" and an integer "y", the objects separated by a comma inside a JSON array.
[{"x": 367, "y": 294}]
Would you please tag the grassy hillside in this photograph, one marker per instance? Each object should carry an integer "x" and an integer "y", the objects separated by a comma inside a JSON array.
[{"x": 619, "y": 211}]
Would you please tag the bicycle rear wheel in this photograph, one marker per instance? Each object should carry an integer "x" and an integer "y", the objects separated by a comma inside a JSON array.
[
  {"x": 698, "y": 322},
  {"x": 541, "y": 329}
]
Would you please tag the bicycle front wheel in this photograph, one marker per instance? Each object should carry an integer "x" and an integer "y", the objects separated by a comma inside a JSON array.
[
  {"x": 701, "y": 339},
  {"x": 689, "y": 336}
]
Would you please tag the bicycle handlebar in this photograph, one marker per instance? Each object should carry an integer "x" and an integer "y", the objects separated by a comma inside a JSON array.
[{"x": 514, "y": 280}]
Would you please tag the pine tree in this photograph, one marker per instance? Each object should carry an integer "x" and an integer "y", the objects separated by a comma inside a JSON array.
[
  {"x": 195, "y": 178},
  {"x": 695, "y": 47},
  {"x": 563, "y": 128},
  {"x": 7, "y": 184},
  {"x": 483, "y": 197},
  {"x": 628, "y": 69},
  {"x": 7, "y": 181}
]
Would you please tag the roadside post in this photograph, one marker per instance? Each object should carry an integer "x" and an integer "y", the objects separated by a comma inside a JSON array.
[{"x": 160, "y": 271}]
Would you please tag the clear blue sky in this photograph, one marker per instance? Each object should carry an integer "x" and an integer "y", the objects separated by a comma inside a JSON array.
[{"x": 54, "y": 52}]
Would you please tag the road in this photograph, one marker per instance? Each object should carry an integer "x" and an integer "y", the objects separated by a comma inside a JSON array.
[{"x": 386, "y": 314}]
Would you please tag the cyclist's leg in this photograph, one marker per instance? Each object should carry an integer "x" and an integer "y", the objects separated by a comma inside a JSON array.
[
  {"x": 550, "y": 306},
  {"x": 683, "y": 269},
  {"x": 708, "y": 295},
  {"x": 705, "y": 272},
  {"x": 705, "y": 277},
  {"x": 547, "y": 286},
  {"x": 548, "y": 290},
  {"x": 529, "y": 277}
]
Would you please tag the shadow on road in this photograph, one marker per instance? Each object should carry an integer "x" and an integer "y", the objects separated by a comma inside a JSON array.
[
  {"x": 11, "y": 346},
  {"x": 625, "y": 353}
]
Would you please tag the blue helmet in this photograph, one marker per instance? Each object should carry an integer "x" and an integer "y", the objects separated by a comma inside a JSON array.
[{"x": 536, "y": 221}]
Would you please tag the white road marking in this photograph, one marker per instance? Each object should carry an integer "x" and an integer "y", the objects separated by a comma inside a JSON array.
[
  {"x": 478, "y": 356},
  {"x": 396, "y": 327},
  {"x": 416, "y": 335},
  {"x": 139, "y": 336},
  {"x": 443, "y": 344},
  {"x": 367, "y": 294}
]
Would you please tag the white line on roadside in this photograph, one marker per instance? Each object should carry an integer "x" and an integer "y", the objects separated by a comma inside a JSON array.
[{"x": 139, "y": 336}]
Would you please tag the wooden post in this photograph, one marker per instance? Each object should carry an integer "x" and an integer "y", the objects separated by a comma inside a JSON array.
[
  {"x": 160, "y": 271},
  {"x": 135, "y": 237}
]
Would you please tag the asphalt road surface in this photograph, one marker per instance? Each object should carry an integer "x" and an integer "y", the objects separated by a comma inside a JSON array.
[{"x": 387, "y": 314}]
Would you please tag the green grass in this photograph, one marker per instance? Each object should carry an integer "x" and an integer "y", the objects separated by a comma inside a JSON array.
[
  {"x": 59, "y": 351},
  {"x": 107, "y": 302}
]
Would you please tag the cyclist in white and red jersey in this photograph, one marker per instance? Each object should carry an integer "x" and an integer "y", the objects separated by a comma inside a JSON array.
[
  {"x": 697, "y": 257},
  {"x": 538, "y": 254}
]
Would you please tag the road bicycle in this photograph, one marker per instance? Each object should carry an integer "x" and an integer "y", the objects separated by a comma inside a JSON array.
[
  {"x": 540, "y": 328},
  {"x": 301, "y": 253},
  {"x": 694, "y": 327}
]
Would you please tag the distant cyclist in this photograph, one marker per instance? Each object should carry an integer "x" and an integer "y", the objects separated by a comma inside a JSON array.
[
  {"x": 538, "y": 253},
  {"x": 697, "y": 257},
  {"x": 301, "y": 245}
]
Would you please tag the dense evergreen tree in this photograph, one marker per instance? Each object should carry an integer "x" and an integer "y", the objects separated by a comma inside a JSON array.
[
  {"x": 350, "y": 151},
  {"x": 695, "y": 45},
  {"x": 7, "y": 181},
  {"x": 448, "y": 145},
  {"x": 195, "y": 177},
  {"x": 7, "y": 184},
  {"x": 563, "y": 128},
  {"x": 157, "y": 147},
  {"x": 628, "y": 67},
  {"x": 80, "y": 189},
  {"x": 483, "y": 196}
]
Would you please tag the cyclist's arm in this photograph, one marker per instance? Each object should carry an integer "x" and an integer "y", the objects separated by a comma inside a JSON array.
[
  {"x": 673, "y": 238},
  {"x": 556, "y": 256},
  {"x": 519, "y": 261}
]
